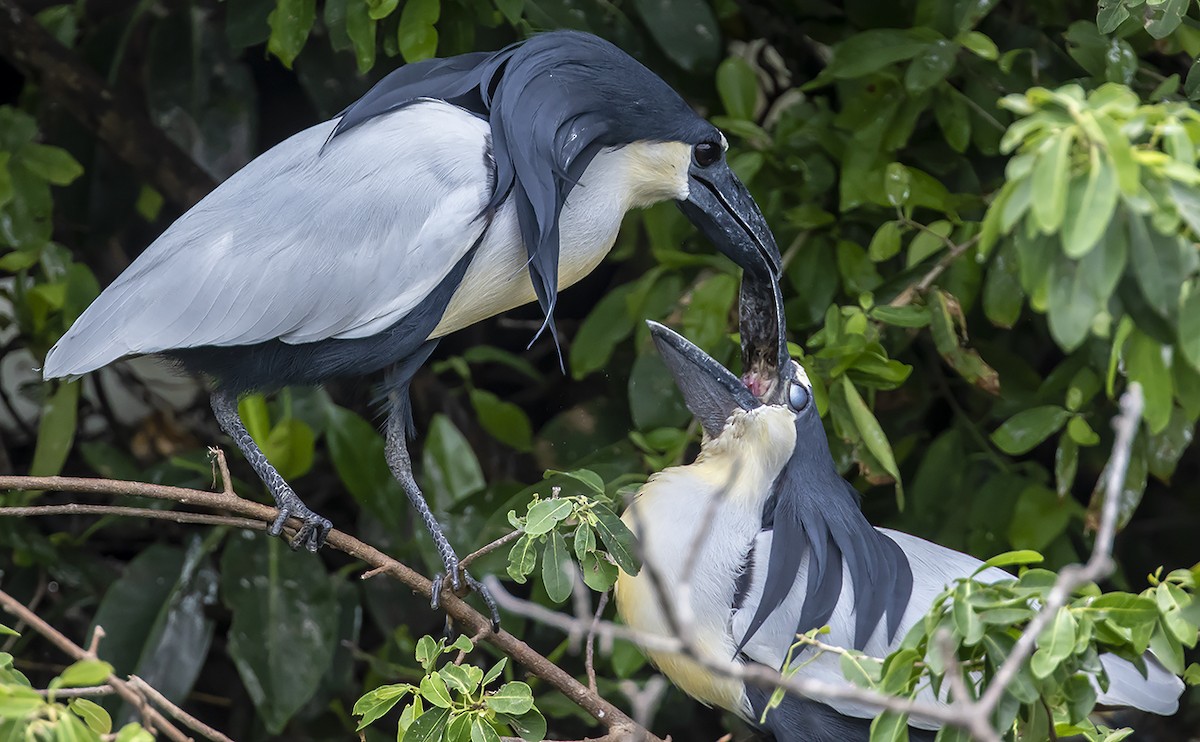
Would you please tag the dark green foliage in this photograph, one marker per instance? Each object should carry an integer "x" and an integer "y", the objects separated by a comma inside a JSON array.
[{"x": 989, "y": 215}]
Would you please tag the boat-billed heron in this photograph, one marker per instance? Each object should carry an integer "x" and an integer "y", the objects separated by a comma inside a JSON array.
[
  {"x": 783, "y": 548},
  {"x": 454, "y": 190}
]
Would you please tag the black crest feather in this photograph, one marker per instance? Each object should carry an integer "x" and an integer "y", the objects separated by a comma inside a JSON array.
[{"x": 553, "y": 102}]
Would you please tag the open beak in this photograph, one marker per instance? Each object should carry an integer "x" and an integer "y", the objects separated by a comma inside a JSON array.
[
  {"x": 723, "y": 210},
  {"x": 710, "y": 390},
  {"x": 763, "y": 331}
]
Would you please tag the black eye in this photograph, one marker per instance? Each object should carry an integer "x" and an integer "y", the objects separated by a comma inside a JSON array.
[
  {"x": 798, "y": 396},
  {"x": 706, "y": 153}
]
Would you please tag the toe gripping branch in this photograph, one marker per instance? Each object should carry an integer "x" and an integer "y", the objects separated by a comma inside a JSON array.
[{"x": 314, "y": 529}]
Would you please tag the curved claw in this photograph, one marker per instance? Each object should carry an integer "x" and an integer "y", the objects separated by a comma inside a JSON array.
[
  {"x": 482, "y": 591},
  {"x": 435, "y": 592}
]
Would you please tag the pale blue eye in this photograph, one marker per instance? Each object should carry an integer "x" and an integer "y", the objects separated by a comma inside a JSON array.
[{"x": 798, "y": 396}]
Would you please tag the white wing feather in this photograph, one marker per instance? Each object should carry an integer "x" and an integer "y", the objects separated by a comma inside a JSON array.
[
  {"x": 301, "y": 245},
  {"x": 934, "y": 569}
]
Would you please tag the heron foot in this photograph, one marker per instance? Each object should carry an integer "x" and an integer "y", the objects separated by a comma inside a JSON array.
[
  {"x": 313, "y": 528},
  {"x": 472, "y": 584}
]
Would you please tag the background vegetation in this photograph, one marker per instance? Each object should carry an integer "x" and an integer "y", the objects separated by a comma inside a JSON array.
[{"x": 989, "y": 215}]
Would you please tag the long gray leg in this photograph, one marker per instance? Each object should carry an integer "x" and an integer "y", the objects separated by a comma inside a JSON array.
[
  {"x": 400, "y": 462},
  {"x": 314, "y": 528}
]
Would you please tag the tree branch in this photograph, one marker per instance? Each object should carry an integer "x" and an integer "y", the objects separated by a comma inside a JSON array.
[
  {"x": 118, "y": 121},
  {"x": 73, "y": 650},
  {"x": 470, "y": 621}
]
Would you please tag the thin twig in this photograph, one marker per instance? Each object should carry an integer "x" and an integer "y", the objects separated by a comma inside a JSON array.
[
  {"x": 174, "y": 516},
  {"x": 73, "y": 650},
  {"x": 191, "y": 722},
  {"x": 905, "y": 297},
  {"x": 507, "y": 538},
  {"x": 218, "y": 457},
  {"x": 589, "y": 655},
  {"x": 469, "y": 620},
  {"x": 88, "y": 692}
]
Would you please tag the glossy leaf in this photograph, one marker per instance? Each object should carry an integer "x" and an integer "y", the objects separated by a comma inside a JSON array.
[
  {"x": 1025, "y": 430},
  {"x": 284, "y": 623},
  {"x": 557, "y": 569}
]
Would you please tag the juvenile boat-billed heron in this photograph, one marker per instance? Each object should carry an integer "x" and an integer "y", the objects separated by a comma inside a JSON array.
[
  {"x": 788, "y": 550},
  {"x": 454, "y": 190}
]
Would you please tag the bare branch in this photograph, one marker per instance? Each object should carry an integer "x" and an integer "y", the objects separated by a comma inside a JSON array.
[
  {"x": 507, "y": 538},
  {"x": 906, "y": 296},
  {"x": 154, "y": 719},
  {"x": 470, "y": 621},
  {"x": 589, "y": 658},
  {"x": 158, "y": 699}
]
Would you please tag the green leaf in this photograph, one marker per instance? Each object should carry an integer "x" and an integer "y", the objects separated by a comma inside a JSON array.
[
  {"x": 953, "y": 117},
  {"x": 1040, "y": 516},
  {"x": 290, "y": 24},
  {"x": 586, "y": 477},
  {"x": 505, "y": 421},
  {"x": 871, "y": 51},
  {"x": 451, "y": 471},
  {"x": 50, "y": 163},
  {"x": 598, "y": 573},
  {"x": 685, "y": 29},
  {"x": 460, "y": 679},
  {"x": 1002, "y": 292},
  {"x": 463, "y": 644},
  {"x": 617, "y": 538},
  {"x": 284, "y": 624},
  {"x": 1050, "y": 176},
  {"x": 378, "y": 702},
  {"x": 602, "y": 330},
  {"x": 1189, "y": 326},
  {"x": 930, "y": 66},
  {"x": 1080, "y": 696},
  {"x": 92, "y": 714},
  {"x": 357, "y": 451},
  {"x": 522, "y": 558},
  {"x": 416, "y": 35},
  {"x": 531, "y": 725},
  {"x": 1089, "y": 207},
  {"x": 434, "y": 690},
  {"x": 556, "y": 568},
  {"x": 427, "y": 727},
  {"x": 1157, "y": 267},
  {"x": 871, "y": 432},
  {"x": 889, "y": 727},
  {"x": 980, "y": 45},
  {"x": 886, "y": 242},
  {"x": 459, "y": 728},
  {"x": 56, "y": 431},
  {"x": 966, "y": 620},
  {"x": 738, "y": 87},
  {"x": 360, "y": 27},
  {"x": 84, "y": 673},
  {"x": 290, "y": 448},
  {"x": 897, "y": 184},
  {"x": 512, "y": 698},
  {"x": 494, "y": 672},
  {"x": 545, "y": 515},
  {"x": 1009, "y": 558},
  {"x": 1145, "y": 364},
  {"x": 1124, "y": 609},
  {"x": 1055, "y": 644},
  {"x": 584, "y": 541},
  {"x": 482, "y": 731},
  {"x": 1026, "y": 429},
  {"x": 427, "y": 652}
]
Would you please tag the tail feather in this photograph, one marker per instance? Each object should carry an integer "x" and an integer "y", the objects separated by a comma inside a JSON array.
[{"x": 1157, "y": 692}]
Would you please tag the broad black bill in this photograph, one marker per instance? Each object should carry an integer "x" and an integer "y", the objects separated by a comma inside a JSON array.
[{"x": 725, "y": 212}]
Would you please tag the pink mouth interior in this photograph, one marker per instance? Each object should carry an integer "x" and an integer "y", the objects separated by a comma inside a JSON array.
[{"x": 756, "y": 384}]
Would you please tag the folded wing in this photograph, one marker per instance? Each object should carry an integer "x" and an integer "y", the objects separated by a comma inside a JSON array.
[{"x": 303, "y": 244}]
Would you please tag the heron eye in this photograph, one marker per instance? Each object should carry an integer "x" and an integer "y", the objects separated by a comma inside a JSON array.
[
  {"x": 798, "y": 396},
  {"x": 706, "y": 153}
]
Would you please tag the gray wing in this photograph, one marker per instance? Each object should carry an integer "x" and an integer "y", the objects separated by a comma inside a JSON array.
[
  {"x": 934, "y": 568},
  {"x": 302, "y": 244}
]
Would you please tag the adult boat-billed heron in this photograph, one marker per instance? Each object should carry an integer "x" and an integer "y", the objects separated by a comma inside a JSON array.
[
  {"x": 454, "y": 190},
  {"x": 782, "y": 548}
]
